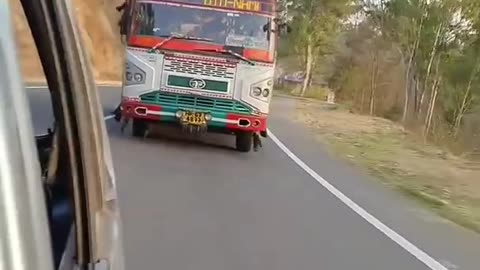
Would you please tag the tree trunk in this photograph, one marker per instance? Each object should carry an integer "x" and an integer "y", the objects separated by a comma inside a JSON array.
[
  {"x": 465, "y": 101},
  {"x": 429, "y": 68},
  {"x": 422, "y": 99},
  {"x": 433, "y": 99},
  {"x": 431, "y": 108},
  {"x": 373, "y": 83},
  {"x": 407, "y": 89},
  {"x": 432, "y": 55},
  {"x": 412, "y": 55},
  {"x": 362, "y": 104},
  {"x": 415, "y": 96},
  {"x": 308, "y": 69},
  {"x": 460, "y": 114}
]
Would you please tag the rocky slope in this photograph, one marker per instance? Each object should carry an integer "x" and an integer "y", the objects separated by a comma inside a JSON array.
[{"x": 98, "y": 24}]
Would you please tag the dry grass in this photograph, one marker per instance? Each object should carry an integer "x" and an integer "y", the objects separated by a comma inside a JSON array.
[
  {"x": 446, "y": 183},
  {"x": 98, "y": 24}
]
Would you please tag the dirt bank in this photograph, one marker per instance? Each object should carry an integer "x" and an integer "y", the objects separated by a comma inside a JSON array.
[
  {"x": 444, "y": 182},
  {"x": 98, "y": 24}
]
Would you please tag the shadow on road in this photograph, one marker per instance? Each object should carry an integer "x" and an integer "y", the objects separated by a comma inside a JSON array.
[{"x": 174, "y": 137}]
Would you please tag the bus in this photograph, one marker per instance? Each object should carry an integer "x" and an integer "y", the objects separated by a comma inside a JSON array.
[{"x": 203, "y": 65}]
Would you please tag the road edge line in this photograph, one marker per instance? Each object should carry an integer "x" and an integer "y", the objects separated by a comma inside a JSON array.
[
  {"x": 421, "y": 255},
  {"x": 46, "y": 87}
]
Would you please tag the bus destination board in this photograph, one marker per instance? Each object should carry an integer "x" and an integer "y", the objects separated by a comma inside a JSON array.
[{"x": 265, "y": 6}]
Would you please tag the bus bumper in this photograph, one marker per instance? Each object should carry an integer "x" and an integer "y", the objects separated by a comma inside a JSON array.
[{"x": 220, "y": 121}]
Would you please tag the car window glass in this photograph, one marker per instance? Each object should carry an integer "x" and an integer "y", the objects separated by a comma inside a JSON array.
[{"x": 32, "y": 71}]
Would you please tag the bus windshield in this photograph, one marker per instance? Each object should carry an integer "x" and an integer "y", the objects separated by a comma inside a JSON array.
[{"x": 221, "y": 27}]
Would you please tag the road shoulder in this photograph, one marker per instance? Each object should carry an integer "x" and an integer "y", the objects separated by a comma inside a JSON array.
[{"x": 449, "y": 243}]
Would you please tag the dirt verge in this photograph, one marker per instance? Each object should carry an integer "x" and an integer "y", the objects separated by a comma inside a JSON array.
[
  {"x": 98, "y": 25},
  {"x": 448, "y": 184}
]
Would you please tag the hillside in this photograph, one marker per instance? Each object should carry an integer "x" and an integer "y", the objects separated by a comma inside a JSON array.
[{"x": 98, "y": 21}]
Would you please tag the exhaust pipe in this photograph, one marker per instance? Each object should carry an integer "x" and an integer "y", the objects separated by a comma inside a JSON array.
[
  {"x": 244, "y": 123},
  {"x": 142, "y": 111}
]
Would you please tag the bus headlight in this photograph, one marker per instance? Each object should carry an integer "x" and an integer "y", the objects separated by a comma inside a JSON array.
[
  {"x": 134, "y": 75},
  {"x": 262, "y": 90},
  {"x": 266, "y": 92},
  {"x": 129, "y": 76},
  {"x": 138, "y": 77},
  {"x": 256, "y": 91}
]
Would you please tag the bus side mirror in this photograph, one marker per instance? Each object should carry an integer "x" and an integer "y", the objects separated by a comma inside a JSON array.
[
  {"x": 282, "y": 26},
  {"x": 266, "y": 27}
]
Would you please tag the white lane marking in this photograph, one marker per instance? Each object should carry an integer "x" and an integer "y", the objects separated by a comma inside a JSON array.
[
  {"x": 36, "y": 87},
  {"x": 394, "y": 236},
  {"x": 46, "y": 87}
]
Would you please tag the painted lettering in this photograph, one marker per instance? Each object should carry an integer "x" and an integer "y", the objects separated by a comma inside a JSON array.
[{"x": 234, "y": 4}]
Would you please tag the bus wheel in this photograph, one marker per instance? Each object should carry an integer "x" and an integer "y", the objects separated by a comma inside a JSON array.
[
  {"x": 139, "y": 128},
  {"x": 244, "y": 141}
]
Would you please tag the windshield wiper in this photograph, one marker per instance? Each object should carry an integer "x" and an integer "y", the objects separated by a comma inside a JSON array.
[
  {"x": 239, "y": 56},
  {"x": 177, "y": 36}
]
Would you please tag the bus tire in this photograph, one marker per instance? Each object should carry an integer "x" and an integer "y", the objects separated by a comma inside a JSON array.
[
  {"x": 244, "y": 141},
  {"x": 139, "y": 128}
]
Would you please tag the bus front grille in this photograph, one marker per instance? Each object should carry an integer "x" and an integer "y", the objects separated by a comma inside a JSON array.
[
  {"x": 195, "y": 67},
  {"x": 195, "y": 103}
]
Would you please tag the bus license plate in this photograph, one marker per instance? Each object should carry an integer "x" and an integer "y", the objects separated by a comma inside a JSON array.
[{"x": 193, "y": 118}]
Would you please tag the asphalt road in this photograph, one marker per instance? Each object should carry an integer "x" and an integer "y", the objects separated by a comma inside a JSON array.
[{"x": 198, "y": 204}]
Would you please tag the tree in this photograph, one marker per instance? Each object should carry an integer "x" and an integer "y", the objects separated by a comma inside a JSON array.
[
  {"x": 437, "y": 46},
  {"x": 315, "y": 26}
]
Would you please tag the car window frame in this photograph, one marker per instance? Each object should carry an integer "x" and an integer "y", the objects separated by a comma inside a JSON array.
[
  {"x": 78, "y": 115},
  {"x": 75, "y": 91},
  {"x": 24, "y": 232}
]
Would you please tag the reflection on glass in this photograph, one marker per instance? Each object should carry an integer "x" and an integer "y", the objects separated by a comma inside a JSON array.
[{"x": 226, "y": 28}]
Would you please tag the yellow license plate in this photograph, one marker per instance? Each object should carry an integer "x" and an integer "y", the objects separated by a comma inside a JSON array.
[{"x": 193, "y": 118}]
